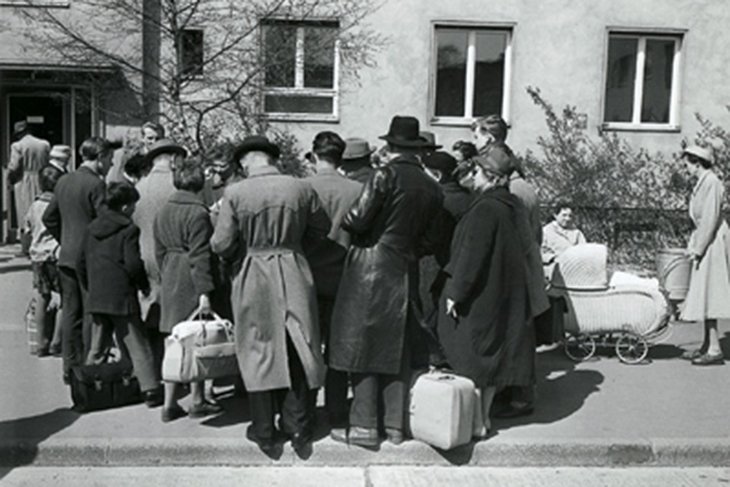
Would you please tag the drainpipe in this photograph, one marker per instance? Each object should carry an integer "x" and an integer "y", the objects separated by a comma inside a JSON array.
[{"x": 151, "y": 58}]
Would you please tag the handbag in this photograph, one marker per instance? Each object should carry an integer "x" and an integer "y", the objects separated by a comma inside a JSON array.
[
  {"x": 103, "y": 386},
  {"x": 200, "y": 349}
]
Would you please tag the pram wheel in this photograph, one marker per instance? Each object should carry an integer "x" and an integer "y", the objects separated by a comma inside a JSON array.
[
  {"x": 631, "y": 348},
  {"x": 580, "y": 347}
]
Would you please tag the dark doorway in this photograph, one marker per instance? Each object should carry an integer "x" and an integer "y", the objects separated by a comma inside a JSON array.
[{"x": 44, "y": 114}]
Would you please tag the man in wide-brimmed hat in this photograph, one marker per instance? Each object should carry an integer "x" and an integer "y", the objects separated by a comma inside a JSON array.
[
  {"x": 373, "y": 325},
  {"x": 154, "y": 190},
  {"x": 59, "y": 157},
  {"x": 266, "y": 217},
  {"x": 356, "y": 163},
  {"x": 28, "y": 154}
]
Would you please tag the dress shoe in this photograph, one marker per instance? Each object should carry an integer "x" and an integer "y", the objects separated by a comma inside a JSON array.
[
  {"x": 394, "y": 436},
  {"x": 299, "y": 440},
  {"x": 153, "y": 398},
  {"x": 172, "y": 413},
  {"x": 515, "y": 410},
  {"x": 693, "y": 354},
  {"x": 356, "y": 435},
  {"x": 266, "y": 445},
  {"x": 709, "y": 359},
  {"x": 204, "y": 409},
  {"x": 55, "y": 351}
]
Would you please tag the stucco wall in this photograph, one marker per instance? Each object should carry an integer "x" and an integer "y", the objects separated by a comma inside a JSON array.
[{"x": 558, "y": 46}]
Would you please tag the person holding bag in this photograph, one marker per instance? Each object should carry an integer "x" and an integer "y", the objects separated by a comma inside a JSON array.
[{"x": 182, "y": 232}]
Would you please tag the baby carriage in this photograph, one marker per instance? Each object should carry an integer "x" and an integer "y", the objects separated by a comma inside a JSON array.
[{"x": 625, "y": 314}]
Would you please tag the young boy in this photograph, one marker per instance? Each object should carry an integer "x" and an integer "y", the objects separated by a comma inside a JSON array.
[
  {"x": 43, "y": 258},
  {"x": 111, "y": 268}
]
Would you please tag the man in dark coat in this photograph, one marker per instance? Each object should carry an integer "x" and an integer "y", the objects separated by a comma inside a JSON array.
[
  {"x": 327, "y": 256},
  {"x": 78, "y": 199},
  {"x": 110, "y": 267},
  {"x": 377, "y": 301},
  {"x": 356, "y": 160}
]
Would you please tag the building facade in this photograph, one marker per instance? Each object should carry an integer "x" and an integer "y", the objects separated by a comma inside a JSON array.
[{"x": 641, "y": 69}]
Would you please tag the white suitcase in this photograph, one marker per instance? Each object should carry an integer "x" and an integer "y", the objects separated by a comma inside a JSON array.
[{"x": 443, "y": 409}]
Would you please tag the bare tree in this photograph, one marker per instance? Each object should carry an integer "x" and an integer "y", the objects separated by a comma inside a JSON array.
[{"x": 220, "y": 93}]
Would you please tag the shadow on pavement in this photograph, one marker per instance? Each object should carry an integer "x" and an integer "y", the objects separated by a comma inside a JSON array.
[
  {"x": 19, "y": 438},
  {"x": 15, "y": 268},
  {"x": 561, "y": 391}
]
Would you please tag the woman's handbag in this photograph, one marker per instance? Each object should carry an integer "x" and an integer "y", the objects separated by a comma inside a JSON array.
[{"x": 200, "y": 349}]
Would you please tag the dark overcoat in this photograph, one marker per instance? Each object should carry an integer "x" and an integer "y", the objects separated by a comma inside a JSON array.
[
  {"x": 77, "y": 199},
  {"x": 182, "y": 231},
  {"x": 393, "y": 224},
  {"x": 267, "y": 216},
  {"x": 109, "y": 265},
  {"x": 490, "y": 342}
]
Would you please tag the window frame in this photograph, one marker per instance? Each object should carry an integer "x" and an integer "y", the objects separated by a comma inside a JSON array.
[
  {"x": 642, "y": 35},
  {"x": 472, "y": 27},
  {"x": 299, "y": 89},
  {"x": 200, "y": 71},
  {"x": 36, "y": 3}
]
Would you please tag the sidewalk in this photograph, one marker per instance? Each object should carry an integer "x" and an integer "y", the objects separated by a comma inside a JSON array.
[{"x": 598, "y": 413}]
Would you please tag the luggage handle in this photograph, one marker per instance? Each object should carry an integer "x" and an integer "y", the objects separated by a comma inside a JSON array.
[{"x": 198, "y": 314}]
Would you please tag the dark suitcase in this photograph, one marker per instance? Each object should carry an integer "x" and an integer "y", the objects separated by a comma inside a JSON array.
[{"x": 103, "y": 386}]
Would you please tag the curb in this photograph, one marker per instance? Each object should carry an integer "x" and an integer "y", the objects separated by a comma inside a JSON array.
[{"x": 541, "y": 452}]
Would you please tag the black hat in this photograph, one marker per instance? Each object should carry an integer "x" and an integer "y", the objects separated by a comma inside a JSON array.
[
  {"x": 497, "y": 162},
  {"x": 441, "y": 161},
  {"x": 165, "y": 146},
  {"x": 404, "y": 132},
  {"x": 431, "y": 139},
  {"x": 256, "y": 143}
]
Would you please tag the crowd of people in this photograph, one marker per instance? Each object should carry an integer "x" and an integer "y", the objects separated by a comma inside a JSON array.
[{"x": 320, "y": 275}]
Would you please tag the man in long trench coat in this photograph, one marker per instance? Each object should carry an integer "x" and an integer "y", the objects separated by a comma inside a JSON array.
[
  {"x": 265, "y": 218},
  {"x": 392, "y": 225}
]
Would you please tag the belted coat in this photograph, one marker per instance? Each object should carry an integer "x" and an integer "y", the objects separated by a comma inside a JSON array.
[
  {"x": 264, "y": 219},
  {"x": 27, "y": 157},
  {"x": 392, "y": 223}
]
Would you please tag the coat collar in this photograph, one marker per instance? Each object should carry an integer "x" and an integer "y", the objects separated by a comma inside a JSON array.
[
  {"x": 406, "y": 160},
  {"x": 183, "y": 197},
  {"x": 263, "y": 171}
]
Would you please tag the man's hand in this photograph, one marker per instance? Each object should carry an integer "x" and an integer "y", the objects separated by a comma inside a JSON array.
[
  {"x": 55, "y": 302},
  {"x": 204, "y": 304},
  {"x": 451, "y": 308}
]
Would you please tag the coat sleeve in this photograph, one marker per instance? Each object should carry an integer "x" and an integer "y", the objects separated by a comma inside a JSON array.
[
  {"x": 225, "y": 240},
  {"x": 360, "y": 217},
  {"x": 15, "y": 166},
  {"x": 97, "y": 198},
  {"x": 133, "y": 264},
  {"x": 81, "y": 268},
  {"x": 52, "y": 219},
  {"x": 477, "y": 240},
  {"x": 200, "y": 255},
  {"x": 710, "y": 218},
  {"x": 318, "y": 223}
]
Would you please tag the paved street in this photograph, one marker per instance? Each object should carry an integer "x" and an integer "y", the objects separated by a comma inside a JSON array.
[
  {"x": 370, "y": 477},
  {"x": 599, "y": 413}
]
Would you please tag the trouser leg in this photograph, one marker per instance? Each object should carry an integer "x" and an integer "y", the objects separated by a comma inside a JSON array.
[
  {"x": 364, "y": 408},
  {"x": 395, "y": 388},
  {"x": 298, "y": 402},
  {"x": 101, "y": 338},
  {"x": 43, "y": 319},
  {"x": 335, "y": 389},
  {"x": 263, "y": 408},
  {"x": 129, "y": 332},
  {"x": 71, "y": 326}
]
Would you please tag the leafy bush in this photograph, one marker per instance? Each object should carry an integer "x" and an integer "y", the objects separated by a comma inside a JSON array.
[{"x": 631, "y": 199}]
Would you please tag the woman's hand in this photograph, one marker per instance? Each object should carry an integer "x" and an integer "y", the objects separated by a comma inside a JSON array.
[
  {"x": 451, "y": 308},
  {"x": 204, "y": 304}
]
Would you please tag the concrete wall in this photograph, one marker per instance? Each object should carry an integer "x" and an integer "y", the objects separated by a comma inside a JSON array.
[{"x": 558, "y": 45}]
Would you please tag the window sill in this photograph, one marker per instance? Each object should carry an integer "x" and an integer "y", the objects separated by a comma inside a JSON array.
[
  {"x": 36, "y": 4},
  {"x": 643, "y": 127},
  {"x": 452, "y": 121},
  {"x": 301, "y": 117}
]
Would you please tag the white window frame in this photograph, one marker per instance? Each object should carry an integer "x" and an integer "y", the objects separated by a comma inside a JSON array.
[
  {"x": 642, "y": 35},
  {"x": 35, "y": 3},
  {"x": 300, "y": 90},
  {"x": 468, "y": 118}
]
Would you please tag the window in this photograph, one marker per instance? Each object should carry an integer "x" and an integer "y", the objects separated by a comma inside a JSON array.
[
  {"x": 301, "y": 69},
  {"x": 35, "y": 3},
  {"x": 642, "y": 81},
  {"x": 471, "y": 74},
  {"x": 191, "y": 52}
]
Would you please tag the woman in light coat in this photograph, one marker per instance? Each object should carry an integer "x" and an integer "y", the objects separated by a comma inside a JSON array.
[{"x": 708, "y": 248}]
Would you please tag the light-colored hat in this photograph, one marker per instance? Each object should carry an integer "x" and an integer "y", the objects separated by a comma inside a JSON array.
[
  {"x": 704, "y": 153},
  {"x": 355, "y": 148},
  {"x": 60, "y": 152}
]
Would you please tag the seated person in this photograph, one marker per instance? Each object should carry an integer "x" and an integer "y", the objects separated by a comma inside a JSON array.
[{"x": 559, "y": 235}]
